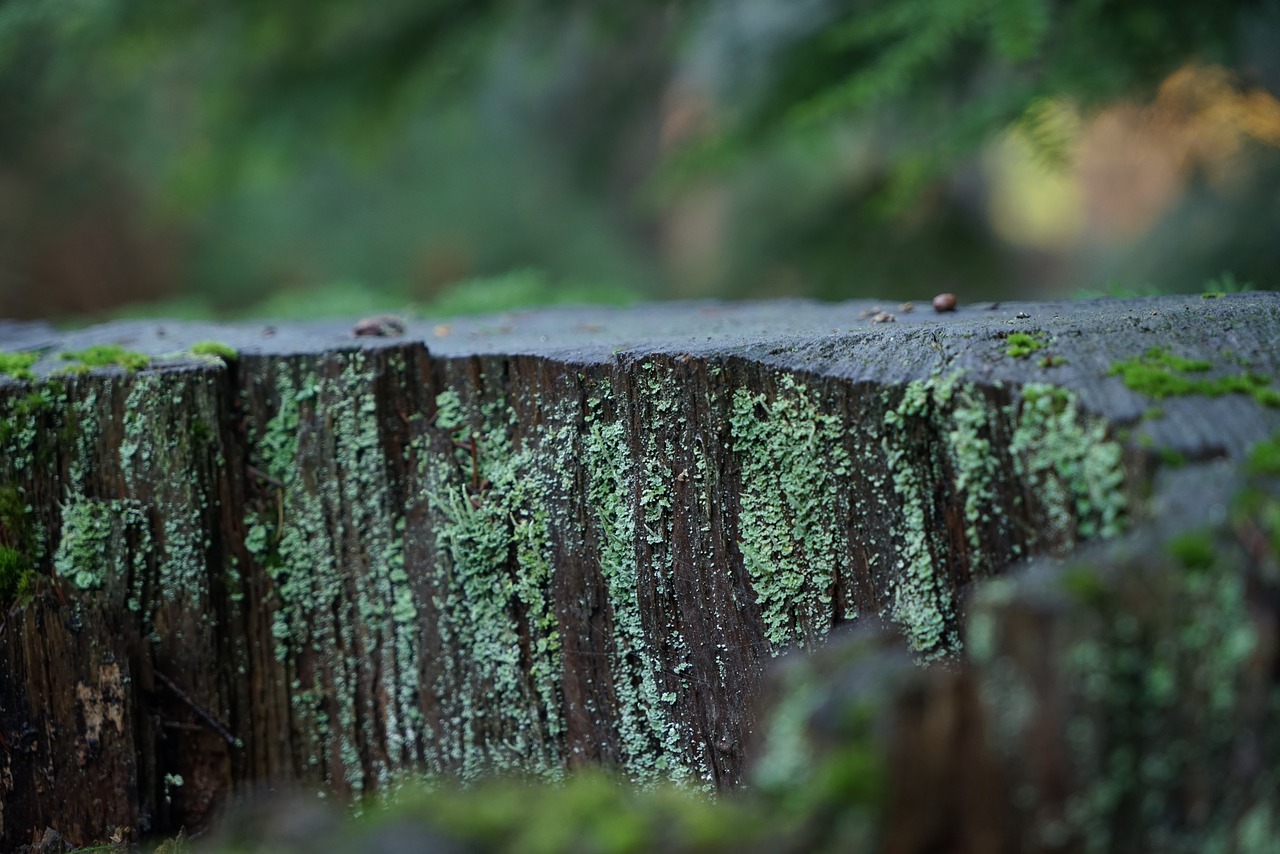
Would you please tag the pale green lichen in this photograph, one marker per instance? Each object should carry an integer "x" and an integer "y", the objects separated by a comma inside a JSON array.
[
  {"x": 1069, "y": 463},
  {"x": 493, "y": 499},
  {"x": 942, "y": 426},
  {"x": 793, "y": 459},
  {"x": 921, "y": 596},
  {"x": 20, "y": 426},
  {"x": 337, "y": 567},
  {"x": 93, "y": 545},
  {"x": 650, "y": 740}
]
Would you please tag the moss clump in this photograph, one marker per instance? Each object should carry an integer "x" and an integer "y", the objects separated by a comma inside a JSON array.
[
  {"x": 215, "y": 348},
  {"x": 18, "y": 365},
  {"x": 1083, "y": 584},
  {"x": 16, "y": 566},
  {"x": 1194, "y": 550},
  {"x": 1052, "y": 361},
  {"x": 1158, "y": 373},
  {"x": 1022, "y": 344},
  {"x": 1264, "y": 457},
  {"x": 1267, "y": 397},
  {"x": 15, "y": 574},
  {"x": 104, "y": 355}
]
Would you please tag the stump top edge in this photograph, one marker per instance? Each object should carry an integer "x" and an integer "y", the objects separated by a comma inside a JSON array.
[{"x": 595, "y": 334}]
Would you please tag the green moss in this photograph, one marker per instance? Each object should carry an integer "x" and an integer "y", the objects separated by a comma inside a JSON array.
[
  {"x": 1213, "y": 294},
  {"x": 1172, "y": 457},
  {"x": 215, "y": 348},
  {"x": 17, "y": 547},
  {"x": 104, "y": 355},
  {"x": 589, "y": 812},
  {"x": 1052, "y": 361},
  {"x": 1264, "y": 457},
  {"x": 1194, "y": 550},
  {"x": 1022, "y": 344},
  {"x": 1083, "y": 584},
  {"x": 1267, "y": 396},
  {"x": 1157, "y": 357},
  {"x": 1160, "y": 374},
  {"x": 1151, "y": 413},
  {"x": 18, "y": 365},
  {"x": 15, "y": 573}
]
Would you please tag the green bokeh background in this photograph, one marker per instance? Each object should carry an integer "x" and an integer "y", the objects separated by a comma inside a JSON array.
[{"x": 300, "y": 159}]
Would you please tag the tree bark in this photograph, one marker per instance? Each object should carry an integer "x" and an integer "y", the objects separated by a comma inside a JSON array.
[{"x": 533, "y": 541}]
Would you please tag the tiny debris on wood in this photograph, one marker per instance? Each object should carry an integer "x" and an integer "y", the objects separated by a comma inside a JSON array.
[
  {"x": 380, "y": 325},
  {"x": 907, "y": 307},
  {"x": 883, "y": 317}
]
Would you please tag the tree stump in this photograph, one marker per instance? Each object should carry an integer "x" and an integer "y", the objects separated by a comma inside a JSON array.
[{"x": 534, "y": 541}]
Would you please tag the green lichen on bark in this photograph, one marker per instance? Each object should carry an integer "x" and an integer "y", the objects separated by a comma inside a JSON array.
[
  {"x": 93, "y": 546},
  {"x": 942, "y": 430},
  {"x": 164, "y": 447},
  {"x": 650, "y": 741},
  {"x": 493, "y": 498},
  {"x": 331, "y": 542},
  {"x": 1069, "y": 462},
  {"x": 793, "y": 458}
]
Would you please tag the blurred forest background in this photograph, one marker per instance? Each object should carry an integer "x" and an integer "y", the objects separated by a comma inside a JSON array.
[{"x": 281, "y": 157}]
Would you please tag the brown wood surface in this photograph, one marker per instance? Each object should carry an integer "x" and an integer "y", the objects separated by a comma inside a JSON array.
[{"x": 287, "y": 580}]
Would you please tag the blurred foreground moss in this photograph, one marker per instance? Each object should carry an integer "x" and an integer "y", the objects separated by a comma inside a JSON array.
[{"x": 587, "y": 812}]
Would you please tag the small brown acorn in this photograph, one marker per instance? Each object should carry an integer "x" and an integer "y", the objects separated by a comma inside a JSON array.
[{"x": 944, "y": 302}]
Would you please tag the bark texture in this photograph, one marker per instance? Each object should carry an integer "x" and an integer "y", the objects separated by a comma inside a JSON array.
[{"x": 540, "y": 540}]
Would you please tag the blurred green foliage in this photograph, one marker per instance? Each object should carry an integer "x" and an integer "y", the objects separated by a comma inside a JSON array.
[{"x": 219, "y": 157}]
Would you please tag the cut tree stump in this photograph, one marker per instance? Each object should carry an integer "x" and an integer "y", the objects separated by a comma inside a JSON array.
[{"x": 538, "y": 540}]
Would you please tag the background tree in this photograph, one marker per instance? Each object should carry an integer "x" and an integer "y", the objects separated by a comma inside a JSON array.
[{"x": 214, "y": 152}]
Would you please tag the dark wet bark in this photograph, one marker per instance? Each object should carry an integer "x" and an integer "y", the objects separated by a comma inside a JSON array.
[{"x": 538, "y": 540}]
